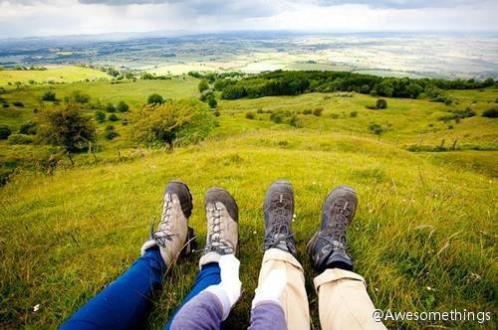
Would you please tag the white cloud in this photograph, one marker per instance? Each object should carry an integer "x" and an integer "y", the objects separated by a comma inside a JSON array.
[{"x": 62, "y": 17}]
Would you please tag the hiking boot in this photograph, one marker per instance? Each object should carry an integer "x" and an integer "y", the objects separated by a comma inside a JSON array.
[
  {"x": 173, "y": 236},
  {"x": 222, "y": 214},
  {"x": 279, "y": 211},
  {"x": 327, "y": 248}
]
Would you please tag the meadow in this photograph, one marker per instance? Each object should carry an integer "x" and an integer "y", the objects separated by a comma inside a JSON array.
[{"x": 424, "y": 236}]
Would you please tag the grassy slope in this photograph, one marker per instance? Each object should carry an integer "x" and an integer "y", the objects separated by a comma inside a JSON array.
[
  {"x": 54, "y": 74},
  {"x": 424, "y": 236}
]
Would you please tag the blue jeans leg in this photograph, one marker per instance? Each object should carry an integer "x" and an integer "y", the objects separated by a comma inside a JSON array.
[
  {"x": 125, "y": 303},
  {"x": 209, "y": 275}
]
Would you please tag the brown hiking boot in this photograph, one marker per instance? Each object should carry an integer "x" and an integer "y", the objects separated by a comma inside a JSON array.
[
  {"x": 222, "y": 214},
  {"x": 328, "y": 248},
  {"x": 173, "y": 236},
  {"x": 279, "y": 210}
]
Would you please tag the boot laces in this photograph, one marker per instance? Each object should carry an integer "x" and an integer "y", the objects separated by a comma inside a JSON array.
[
  {"x": 216, "y": 241},
  {"x": 280, "y": 224},
  {"x": 341, "y": 211},
  {"x": 165, "y": 231}
]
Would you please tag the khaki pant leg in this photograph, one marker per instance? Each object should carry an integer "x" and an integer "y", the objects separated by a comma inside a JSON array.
[
  {"x": 344, "y": 302},
  {"x": 294, "y": 300}
]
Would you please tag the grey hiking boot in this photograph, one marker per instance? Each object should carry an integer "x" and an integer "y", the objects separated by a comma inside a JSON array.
[
  {"x": 173, "y": 236},
  {"x": 279, "y": 211},
  {"x": 327, "y": 248},
  {"x": 222, "y": 214}
]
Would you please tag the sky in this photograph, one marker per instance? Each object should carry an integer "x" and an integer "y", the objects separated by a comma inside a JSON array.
[{"x": 23, "y": 18}]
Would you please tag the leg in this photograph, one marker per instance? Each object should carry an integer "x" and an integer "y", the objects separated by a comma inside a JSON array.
[
  {"x": 209, "y": 275},
  {"x": 280, "y": 258},
  {"x": 124, "y": 303},
  {"x": 222, "y": 243},
  {"x": 343, "y": 301},
  {"x": 293, "y": 299},
  {"x": 342, "y": 296}
]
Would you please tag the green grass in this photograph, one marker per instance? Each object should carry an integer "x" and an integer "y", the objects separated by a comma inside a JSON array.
[
  {"x": 424, "y": 236},
  {"x": 57, "y": 74}
]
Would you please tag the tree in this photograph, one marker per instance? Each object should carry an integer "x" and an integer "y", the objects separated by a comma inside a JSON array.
[
  {"x": 155, "y": 99},
  {"x": 4, "y": 132},
  {"x": 180, "y": 122},
  {"x": 212, "y": 103},
  {"x": 414, "y": 90},
  {"x": 203, "y": 85},
  {"x": 49, "y": 96},
  {"x": 381, "y": 104},
  {"x": 113, "y": 117},
  {"x": 66, "y": 127},
  {"x": 122, "y": 107}
]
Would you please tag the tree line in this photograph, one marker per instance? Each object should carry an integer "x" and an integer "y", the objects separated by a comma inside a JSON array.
[{"x": 299, "y": 82}]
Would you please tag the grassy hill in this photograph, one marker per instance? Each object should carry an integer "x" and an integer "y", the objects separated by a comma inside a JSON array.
[{"x": 424, "y": 236}]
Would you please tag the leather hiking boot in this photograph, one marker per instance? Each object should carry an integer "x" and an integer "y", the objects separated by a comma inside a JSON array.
[
  {"x": 279, "y": 211},
  {"x": 327, "y": 248},
  {"x": 222, "y": 214},
  {"x": 173, "y": 236}
]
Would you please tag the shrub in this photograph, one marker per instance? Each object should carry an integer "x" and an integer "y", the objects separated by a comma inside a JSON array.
[
  {"x": 49, "y": 96},
  {"x": 4, "y": 132},
  {"x": 217, "y": 113},
  {"x": 113, "y": 117},
  {"x": 110, "y": 107},
  {"x": 79, "y": 97},
  {"x": 155, "y": 99},
  {"x": 250, "y": 115},
  {"x": 110, "y": 133},
  {"x": 458, "y": 114},
  {"x": 212, "y": 103},
  {"x": 376, "y": 129},
  {"x": 28, "y": 128},
  {"x": 381, "y": 104},
  {"x": 18, "y": 104},
  {"x": 67, "y": 127},
  {"x": 203, "y": 85},
  {"x": 206, "y": 95},
  {"x": 122, "y": 107},
  {"x": 295, "y": 121},
  {"x": 124, "y": 122},
  {"x": 277, "y": 118},
  {"x": 496, "y": 101},
  {"x": 19, "y": 139},
  {"x": 334, "y": 116},
  {"x": 307, "y": 112},
  {"x": 491, "y": 113},
  {"x": 318, "y": 112},
  {"x": 174, "y": 122},
  {"x": 353, "y": 114},
  {"x": 259, "y": 110},
  {"x": 100, "y": 116}
]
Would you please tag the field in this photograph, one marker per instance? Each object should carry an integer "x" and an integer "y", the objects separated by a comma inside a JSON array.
[
  {"x": 56, "y": 74},
  {"x": 424, "y": 236}
]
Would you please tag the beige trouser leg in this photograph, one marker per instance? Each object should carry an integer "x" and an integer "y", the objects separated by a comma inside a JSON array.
[
  {"x": 294, "y": 300},
  {"x": 343, "y": 301}
]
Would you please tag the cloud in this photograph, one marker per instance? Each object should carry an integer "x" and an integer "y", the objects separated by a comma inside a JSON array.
[
  {"x": 402, "y": 4},
  {"x": 62, "y": 17}
]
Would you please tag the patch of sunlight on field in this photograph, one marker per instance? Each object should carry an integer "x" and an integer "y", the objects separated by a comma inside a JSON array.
[{"x": 55, "y": 74}]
